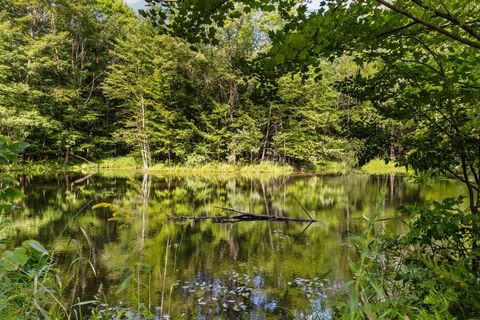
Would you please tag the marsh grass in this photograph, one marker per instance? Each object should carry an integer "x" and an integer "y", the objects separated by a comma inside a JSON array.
[
  {"x": 128, "y": 164},
  {"x": 267, "y": 167},
  {"x": 35, "y": 168},
  {"x": 110, "y": 163},
  {"x": 33, "y": 287},
  {"x": 332, "y": 167},
  {"x": 425, "y": 273},
  {"x": 204, "y": 168},
  {"x": 365, "y": 297},
  {"x": 379, "y": 167}
]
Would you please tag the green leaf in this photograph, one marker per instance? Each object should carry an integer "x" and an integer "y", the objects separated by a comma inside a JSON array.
[
  {"x": 125, "y": 283},
  {"x": 6, "y": 207},
  {"x": 12, "y": 194},
  {"x": 11, "y": 260},
  {"x": 18, "y": 146},
  {"x": 35, "y": 248}
]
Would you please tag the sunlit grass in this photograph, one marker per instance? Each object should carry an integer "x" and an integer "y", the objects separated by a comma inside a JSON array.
[
  {"x": 210, "y": 167},
  {"x": 267, "y": 166},
  {"x": 332, "y": 167},
  {"x": 110, "y": 163},
  {"x": 129, "y": 165},
  {"x": 378, "y": 166}
]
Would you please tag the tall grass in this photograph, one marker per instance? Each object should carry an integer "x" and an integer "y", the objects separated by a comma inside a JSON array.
[
  {"x": 332, "y": 167},
  {"x": 130, "y": 164},
  {"x": 267, "y": 167},
  {"x": 365, "y": 296},
  {"x": 425, "y": 273},
  {"x": 33, "y": 287},
  {"x": 110, "y": 163},
  {"x": 378, "y": 166},
  {"x": 204, "y": 168},
  {"x": 123, "y": 163}
]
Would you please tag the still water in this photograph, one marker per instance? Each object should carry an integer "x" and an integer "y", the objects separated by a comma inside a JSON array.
[{"x": 113, "y": 235}]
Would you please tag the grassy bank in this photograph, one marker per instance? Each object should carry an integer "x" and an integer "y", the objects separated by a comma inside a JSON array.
[
  {"x": 378, "y": 166},
  {"x": 129, "y": 164}
]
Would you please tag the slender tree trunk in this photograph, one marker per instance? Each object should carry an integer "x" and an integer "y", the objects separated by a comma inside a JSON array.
[
  {"x": 67, "y": 156},
  {"x": 471, "y": 196},
  {"x": 474, "y": 210},
  {"x": 145, "y": 144}
]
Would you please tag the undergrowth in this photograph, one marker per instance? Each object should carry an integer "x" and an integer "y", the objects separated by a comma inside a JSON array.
[{"x": 429, "y": 272}]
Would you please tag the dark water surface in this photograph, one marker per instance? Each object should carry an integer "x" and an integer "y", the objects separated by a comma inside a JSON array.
[{"x": 202, "y": 269}]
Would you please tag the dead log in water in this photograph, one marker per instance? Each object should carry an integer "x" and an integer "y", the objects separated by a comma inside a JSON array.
[{"x": 241, "y": 216}]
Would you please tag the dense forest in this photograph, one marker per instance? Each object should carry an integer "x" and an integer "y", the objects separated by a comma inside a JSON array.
[
  {"x": 190, "y": 83},
  {"x": 92, "y": 79}
]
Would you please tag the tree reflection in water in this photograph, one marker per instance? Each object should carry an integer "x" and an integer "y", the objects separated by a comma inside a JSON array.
[{"x": 204, "y": 269}]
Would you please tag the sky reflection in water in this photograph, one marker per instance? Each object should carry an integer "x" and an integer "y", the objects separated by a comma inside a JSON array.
[{"x": 208, "y": 270}]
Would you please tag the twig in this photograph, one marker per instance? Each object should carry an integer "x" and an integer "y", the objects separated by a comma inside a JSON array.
[
  {"x": 308, "y": 214},
  {"x": 83, "y": 178},
  {"x": 301, "y": 234},
  {"x": 81, "y": 158}
]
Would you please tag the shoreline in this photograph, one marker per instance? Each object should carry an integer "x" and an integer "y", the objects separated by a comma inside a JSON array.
[{"x": 128, "y": 166}]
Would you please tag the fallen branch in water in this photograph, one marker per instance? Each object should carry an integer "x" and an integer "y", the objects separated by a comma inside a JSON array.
[
  {"x": 241, "y": 216},
  {"x": 83, "y": 178}
]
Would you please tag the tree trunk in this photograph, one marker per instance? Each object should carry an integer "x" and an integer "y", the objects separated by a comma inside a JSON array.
[
  {"x": 145, "y": 144},
  {"x": 471, "y": 196},
  {"x": 474, "y": 210},
  {"x": 67, "y": 155}
]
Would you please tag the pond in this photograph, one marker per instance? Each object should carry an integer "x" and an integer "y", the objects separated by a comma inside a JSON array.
[{"x": 134, "y": 255}]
